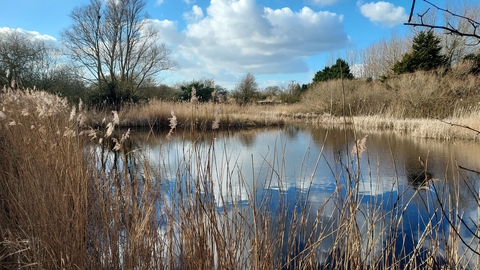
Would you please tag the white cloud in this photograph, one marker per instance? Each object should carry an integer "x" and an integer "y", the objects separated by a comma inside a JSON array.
[
  {"x": 194, "y": 15},
  {"x": 159, "y": 2},
  {"x": 167, "y": 31},
  {"x": 239, "y": 36},
  {"x": 322, "y": 3},
  {"x": 30, "y": 34},
  {"x": 384, "y": 13}
]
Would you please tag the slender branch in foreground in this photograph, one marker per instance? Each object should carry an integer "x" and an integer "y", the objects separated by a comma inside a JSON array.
[
  {"x": 447, "y": 122},
  {"x": 449, "y": 28},
  {"x": 459, "y": 125},
  {"x": 467, "y": 169},
  {"x": 452, "y": 225},
  {"x": 411, "y": 12}
]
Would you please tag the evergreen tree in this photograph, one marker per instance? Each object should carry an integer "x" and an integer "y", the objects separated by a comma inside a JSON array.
[
  {"x": 425, "y": 55},
  {"x": 203, "y": 91},
  {"x": 337, "y": 71}
]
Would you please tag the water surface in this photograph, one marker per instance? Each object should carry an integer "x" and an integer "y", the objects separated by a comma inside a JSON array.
[{"x": 305, "y": 165}]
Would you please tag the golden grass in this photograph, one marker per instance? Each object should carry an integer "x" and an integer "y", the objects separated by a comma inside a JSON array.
[
  {"x": 449, "y": 129},
  {"x": 231, "y": 116},
  {"x": 203, "y": 115}
]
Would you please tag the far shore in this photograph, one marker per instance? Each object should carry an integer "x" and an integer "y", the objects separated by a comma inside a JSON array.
[{"x": 202, "y": 116}]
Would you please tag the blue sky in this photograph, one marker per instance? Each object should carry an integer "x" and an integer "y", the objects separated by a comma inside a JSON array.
[{"x": 278, "y": 41}]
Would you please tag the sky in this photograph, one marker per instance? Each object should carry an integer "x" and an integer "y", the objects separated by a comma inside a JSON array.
[{"x": 278, "y": 41}]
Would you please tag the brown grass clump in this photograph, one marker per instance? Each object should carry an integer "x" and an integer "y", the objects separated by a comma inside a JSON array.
[
  {"x": 43, "y": 185},
  {"x": 58, "y": 209}
]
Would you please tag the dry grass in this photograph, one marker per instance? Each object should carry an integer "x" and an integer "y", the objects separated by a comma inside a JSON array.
[
  {"x": 201, "y": 116},
  {"x": 76, "y": 197},
  {"x": 417, "y": 95},
  {"x": 449, "y": 129},
  {"x": 43, "y": 183},
  {"x": 423, "y": 104}
]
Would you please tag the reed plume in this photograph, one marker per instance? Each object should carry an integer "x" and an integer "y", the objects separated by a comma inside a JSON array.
[
  {"x": 116, "y": 119},
  {"x": 119, "y": 143},
  {"x": 359, "y": 147},
  {"x": 216, "y": 122},
  {"x": 90, "y": 132},
  {"x": 173, "y": 125},
  {"x": 194, "y": 99},
  {"x": 110, "y": 128},
  {"x": 81, "y": 120},
  {"x": 73, "y": 112}
]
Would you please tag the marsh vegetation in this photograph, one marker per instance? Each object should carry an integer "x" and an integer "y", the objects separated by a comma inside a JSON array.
[{"x": 78, "y": 190}]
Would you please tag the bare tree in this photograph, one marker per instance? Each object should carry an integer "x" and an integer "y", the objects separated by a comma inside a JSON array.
[
  {"x": 247, "y": 90},
  {"x": 113, "y": 40},
  {"x": 379, "y": 58},
  {"x": 21, "y": 56},
  {"x": 272, "y": 90}
]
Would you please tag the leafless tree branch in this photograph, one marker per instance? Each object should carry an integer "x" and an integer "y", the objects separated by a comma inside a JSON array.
[
  {"x": 115, "y": 43},
  {"x": 449, "y": 28}
]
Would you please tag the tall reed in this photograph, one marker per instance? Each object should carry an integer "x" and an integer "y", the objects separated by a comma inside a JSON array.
[{"x": 43, "y": 184}]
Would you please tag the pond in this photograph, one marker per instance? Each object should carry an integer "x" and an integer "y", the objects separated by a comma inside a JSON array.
[{"x": 408, "y": 197}]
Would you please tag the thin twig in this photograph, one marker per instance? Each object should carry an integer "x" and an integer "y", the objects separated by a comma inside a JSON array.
[
  {"x": 449, "y": 28},
  {"x": 467, "y": 169}
]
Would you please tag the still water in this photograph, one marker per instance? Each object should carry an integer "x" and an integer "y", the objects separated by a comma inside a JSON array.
[{"x": 306, "y": 165}]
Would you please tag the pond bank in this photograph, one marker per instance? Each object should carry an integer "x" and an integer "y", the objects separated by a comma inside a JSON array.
[
  {"x": 159, "y": 115},
  {"x": 466, "y": 128}
]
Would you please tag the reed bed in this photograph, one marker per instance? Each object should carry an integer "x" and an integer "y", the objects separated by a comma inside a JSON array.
[
  {"x": 43, "y": 201},
  {"x": 76, "y": 196},
  {"x": 201, "y": 115},
  {"x": 465, "y": 127}
]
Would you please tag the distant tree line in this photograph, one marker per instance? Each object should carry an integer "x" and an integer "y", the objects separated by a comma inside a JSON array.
[{"x": 29, "y": 62}]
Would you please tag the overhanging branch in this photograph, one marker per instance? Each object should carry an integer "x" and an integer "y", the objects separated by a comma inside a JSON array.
[{"x": 449, "y": 28}]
